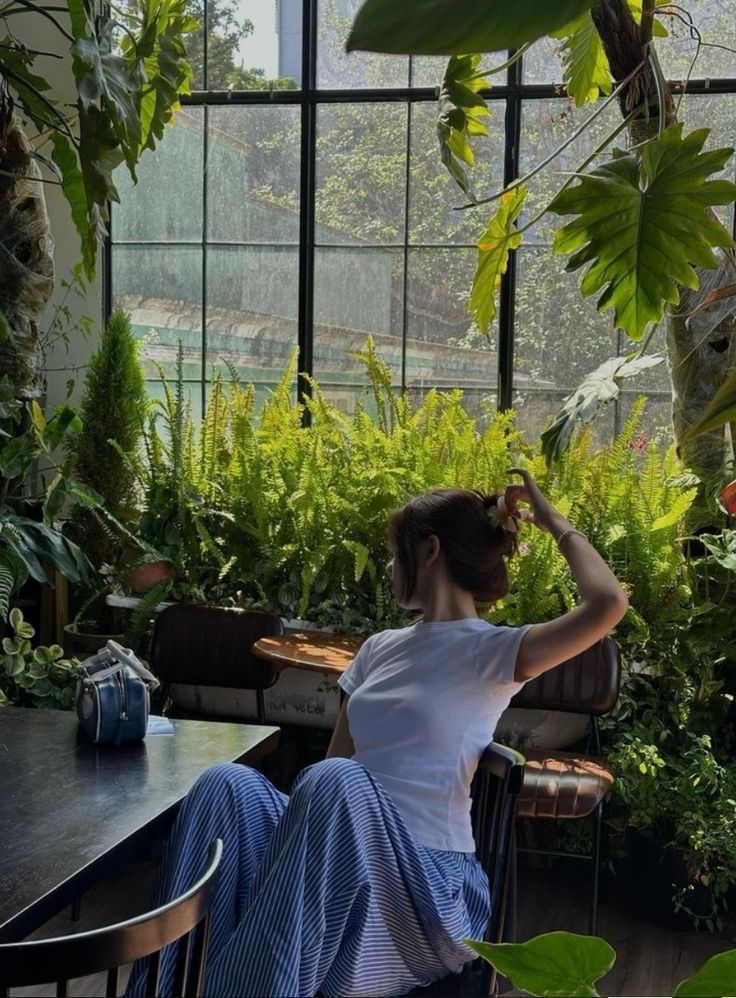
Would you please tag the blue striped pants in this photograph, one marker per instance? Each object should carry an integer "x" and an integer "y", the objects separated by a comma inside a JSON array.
[{"x": 324, "y": 891}]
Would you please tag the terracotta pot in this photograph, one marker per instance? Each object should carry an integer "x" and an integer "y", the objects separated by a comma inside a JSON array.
[{"x": 144, "y": 578}]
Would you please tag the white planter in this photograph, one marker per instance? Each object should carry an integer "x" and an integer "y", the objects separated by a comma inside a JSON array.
[{"x": 308, "y": 699}]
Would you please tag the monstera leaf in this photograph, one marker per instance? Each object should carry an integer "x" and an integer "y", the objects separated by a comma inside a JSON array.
[
  {"x": 103, "y": 77},
  {"x": 461, "y": 110},
  {"x": 454, "y": 27},
  {"x": 501, "y": 236},
  {"x": 556, "y": 964},
  {"x": 600, "y": 387},
  {"x": 643, "y": 225}
]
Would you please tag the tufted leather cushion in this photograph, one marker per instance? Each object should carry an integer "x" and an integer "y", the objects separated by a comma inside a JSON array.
[
  {"x": 211, "y": 646},
  {"x": 562, "y": 785},
  {"x": 586, "y": 684}
]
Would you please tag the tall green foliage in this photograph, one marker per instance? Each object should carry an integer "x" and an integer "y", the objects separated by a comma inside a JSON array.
[
  {"x": 257, "y": 509},
  {"x": 112, "y": 412}
]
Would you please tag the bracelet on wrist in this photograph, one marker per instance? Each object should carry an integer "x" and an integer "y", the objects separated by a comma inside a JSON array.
[{"x": 566, "y": 533}]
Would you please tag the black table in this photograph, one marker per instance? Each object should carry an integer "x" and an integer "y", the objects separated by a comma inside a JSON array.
[{"x": 71, "y": 811}]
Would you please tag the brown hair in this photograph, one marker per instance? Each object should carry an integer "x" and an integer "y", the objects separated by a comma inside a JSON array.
[{"x": 474, "y": 549}]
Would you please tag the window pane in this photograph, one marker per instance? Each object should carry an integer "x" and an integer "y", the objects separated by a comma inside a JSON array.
[
  {"x": 545, "y": 126},
  {"x": 253, "y": 175},
  {"x": 336, "y": 69},
  {"x": 443, "y": 350},
  {"x": 361, "y": 174},
  {"x": 433, "y": 193},
  {"x": 251, "y": 44},
  {"x": 715, "y": 21},
  {"x": 559, "y": 336},
  {"x": 252, "y": 304},
  {"x": 161, "y": 288},
  {"x": 153, "y": 210},
  {"x": 357, "y": 293},
  {"x": 542, "y": 63}
]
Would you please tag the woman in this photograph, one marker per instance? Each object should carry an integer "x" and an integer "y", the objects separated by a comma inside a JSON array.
[{"x": 364, "y": 881}]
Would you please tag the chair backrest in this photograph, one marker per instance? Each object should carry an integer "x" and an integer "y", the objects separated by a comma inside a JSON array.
[
  {"x": 586, "y": 684},
  {"x": 186, "y": 918},
  {"x": 211, "y": 646},
  {"x": 495, "y": 790}
]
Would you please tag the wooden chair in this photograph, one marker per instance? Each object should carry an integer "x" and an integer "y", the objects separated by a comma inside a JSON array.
[
  {"x": 211, "y": 646},
  {"x": 495, "y": 791},
  {"x": 570, "y": 785},
  {"x": 67, "y": 957}
]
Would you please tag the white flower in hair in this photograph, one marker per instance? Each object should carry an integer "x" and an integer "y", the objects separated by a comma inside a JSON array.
[{"x": 501, "y": 516}]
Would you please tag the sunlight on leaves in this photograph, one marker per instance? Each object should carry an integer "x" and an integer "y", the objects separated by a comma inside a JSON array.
[
  {"x": 644, "y": 224},
  {"x": 500, "y": 237}
]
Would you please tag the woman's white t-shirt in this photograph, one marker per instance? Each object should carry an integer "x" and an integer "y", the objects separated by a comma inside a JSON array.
[{"x": 424, "y": 703}]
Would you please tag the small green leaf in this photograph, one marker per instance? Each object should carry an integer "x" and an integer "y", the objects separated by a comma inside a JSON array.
[
  {"x": 716, "y": 978},
  {"x": 500, "y": 237},
  {"x": 454, "y": 27},
  {"x": 14, "y": 665},
  {"x": 553, "y": 965},
  {"x": 37, "y": 417}
]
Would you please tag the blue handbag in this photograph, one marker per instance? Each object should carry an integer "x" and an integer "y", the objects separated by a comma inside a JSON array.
[{"x": 113, "y": 696}]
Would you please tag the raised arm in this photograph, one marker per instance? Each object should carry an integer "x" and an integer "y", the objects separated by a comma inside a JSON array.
[{"x": 602, "y": 601}]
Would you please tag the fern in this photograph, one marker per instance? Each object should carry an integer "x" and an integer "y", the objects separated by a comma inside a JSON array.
[{"x": 138, "y": 631}]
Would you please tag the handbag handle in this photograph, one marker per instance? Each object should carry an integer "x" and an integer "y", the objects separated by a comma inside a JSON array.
[{"x": 126, "y": 657}]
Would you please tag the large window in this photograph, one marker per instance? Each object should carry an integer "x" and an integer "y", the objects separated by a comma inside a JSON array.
[{"x": 299, "y": 202}]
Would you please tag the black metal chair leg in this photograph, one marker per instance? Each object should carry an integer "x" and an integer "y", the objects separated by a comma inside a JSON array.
[{"x": 596, "y": 861}]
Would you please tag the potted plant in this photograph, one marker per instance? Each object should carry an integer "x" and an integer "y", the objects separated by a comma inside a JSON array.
[
  {"x": 34, "y": 677},
  {"x": 112, "y": 413}
]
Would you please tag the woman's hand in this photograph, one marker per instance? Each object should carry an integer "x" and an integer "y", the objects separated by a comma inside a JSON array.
[{"x": 544, "y": 515}]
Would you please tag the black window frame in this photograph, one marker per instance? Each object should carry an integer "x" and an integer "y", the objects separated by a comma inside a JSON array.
[{"x": 308, "y": 98}]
